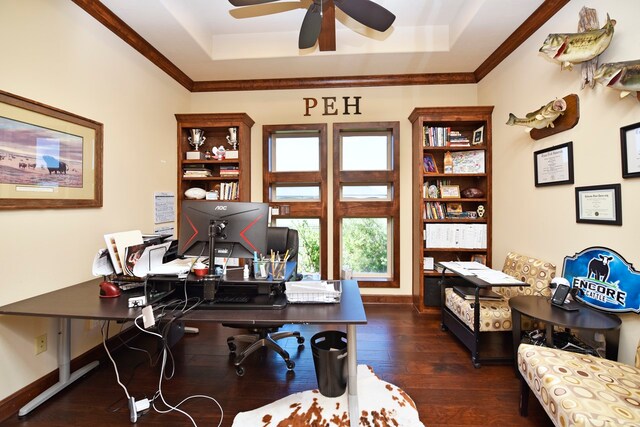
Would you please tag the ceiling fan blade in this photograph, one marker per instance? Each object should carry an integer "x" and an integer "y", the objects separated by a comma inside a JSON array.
[
  {"x": 310, "y": 29},
  {"x": 367, "y": 13},
  {"x": 249, "y": 2}
]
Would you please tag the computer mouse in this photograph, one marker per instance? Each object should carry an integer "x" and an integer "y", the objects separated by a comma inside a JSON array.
[{"x": 109, "y": 290}]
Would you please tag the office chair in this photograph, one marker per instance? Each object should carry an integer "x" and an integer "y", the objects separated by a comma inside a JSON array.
[{"x": 279, "y": 239}]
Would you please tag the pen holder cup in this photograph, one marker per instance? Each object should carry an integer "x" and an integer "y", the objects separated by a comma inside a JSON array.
[
  {"x": 260, "y": 269},
  {"x": 277, "y": 269}
]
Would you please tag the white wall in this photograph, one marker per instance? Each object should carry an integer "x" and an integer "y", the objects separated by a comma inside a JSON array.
[
  {"x": 541, "y": 221},
  {"x": 376, "y": 104},
  {"x": 55, "y": 53}
]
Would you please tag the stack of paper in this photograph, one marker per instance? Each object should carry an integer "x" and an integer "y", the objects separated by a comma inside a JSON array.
[{"x": 308, "y": 291}]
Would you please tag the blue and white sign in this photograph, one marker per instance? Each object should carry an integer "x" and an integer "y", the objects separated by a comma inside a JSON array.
[{"x": 604, "y": 280}]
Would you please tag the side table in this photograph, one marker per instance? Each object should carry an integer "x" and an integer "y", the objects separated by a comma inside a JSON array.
[{"x": 540, "y": 308}]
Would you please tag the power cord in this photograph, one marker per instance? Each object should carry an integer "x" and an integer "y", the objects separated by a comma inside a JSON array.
[{"x": 158, "y": 394}]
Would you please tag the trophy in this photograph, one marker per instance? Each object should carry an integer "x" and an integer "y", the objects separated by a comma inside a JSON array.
[
  {"x": 232, "y": 139},
  {"x": 196, "y": 139}
]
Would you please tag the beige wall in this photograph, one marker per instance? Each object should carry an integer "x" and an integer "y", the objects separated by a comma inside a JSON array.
[
  {"x": 56, "y": 54},
  {"x": 541, "y": 221}
]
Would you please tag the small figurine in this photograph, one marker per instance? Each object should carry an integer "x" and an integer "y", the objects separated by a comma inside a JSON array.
[
  {"x": 448, "y": 162},
  {"x": 480, "y": 211}
]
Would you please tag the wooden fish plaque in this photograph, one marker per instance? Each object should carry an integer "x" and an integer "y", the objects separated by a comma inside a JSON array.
[{"x": 565, "y": 122}]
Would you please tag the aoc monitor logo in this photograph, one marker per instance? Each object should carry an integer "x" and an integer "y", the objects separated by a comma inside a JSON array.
[{"x": 604, "y": 280}]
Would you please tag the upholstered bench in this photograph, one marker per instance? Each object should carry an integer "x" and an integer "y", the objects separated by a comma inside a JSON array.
[
  {"x": 580, "y": 390},
  {"x": 458, "y": 314}
]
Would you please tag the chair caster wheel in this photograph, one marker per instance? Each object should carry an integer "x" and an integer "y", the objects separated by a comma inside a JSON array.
[
  {"x": 291, "y": 364},
  {"x": 240, "y": 371},
  {"x": 300, "y": 340}
]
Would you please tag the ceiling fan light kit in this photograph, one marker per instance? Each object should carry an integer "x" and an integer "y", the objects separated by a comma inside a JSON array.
[{"x": 366, "y": 12}]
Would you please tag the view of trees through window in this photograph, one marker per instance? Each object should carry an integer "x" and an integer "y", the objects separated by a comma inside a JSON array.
[
  {"x": 308, "y": 243},
  {"x": 365, "y": 246}
]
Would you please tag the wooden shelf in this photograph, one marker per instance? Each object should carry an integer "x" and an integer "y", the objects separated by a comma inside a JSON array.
[
  {"x": 465, "y": 120},
  {"x": 216, "y": 129}
]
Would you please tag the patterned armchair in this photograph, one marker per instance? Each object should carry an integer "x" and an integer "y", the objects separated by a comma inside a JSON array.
[
  {"x": 580, "y": 390},
  {"x": 458, "y": 314}
]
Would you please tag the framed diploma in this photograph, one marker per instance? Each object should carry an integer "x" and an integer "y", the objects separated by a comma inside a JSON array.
[
  {"x": 599, "y": 204},
  {"x": 630, "y": 140},
  {"x": 554, "y": 165}
]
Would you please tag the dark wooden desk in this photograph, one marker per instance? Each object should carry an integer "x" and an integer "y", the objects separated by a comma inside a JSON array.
[
  {"x": 539, "y": 307},
  {"x": 82, "y": 301}
]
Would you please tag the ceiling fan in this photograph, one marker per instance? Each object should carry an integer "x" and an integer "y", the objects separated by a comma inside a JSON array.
[{"x": 365, "y": 12}]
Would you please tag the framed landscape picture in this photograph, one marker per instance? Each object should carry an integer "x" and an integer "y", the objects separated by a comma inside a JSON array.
[{"x": 49, "y": 158}]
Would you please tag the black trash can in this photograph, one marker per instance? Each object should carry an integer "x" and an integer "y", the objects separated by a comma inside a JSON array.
[{"x": 330, "y": 360}]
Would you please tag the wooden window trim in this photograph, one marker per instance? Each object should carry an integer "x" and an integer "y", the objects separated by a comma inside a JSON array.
[
  {"x": 299, "y": 210},
  {"x": 367, "y": 209}
]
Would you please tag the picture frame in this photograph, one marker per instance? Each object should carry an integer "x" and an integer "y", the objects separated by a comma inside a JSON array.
[
  {"x": 553, "y": 165},
  {"x": 49, "y": 158},
  {"x": 429, "y": 164},
  {"x": 478, "y": 136},
  {"x": 630, "y": 149},
  {"x": 450, "y": 191},
  {"x": 599, "y": 204}
]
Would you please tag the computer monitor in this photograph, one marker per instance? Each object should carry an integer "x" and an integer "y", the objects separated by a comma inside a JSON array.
[{"x": 222, "y": 228}]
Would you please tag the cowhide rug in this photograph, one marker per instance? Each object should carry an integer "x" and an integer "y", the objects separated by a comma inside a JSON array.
[{"x": 381, "y": 404}]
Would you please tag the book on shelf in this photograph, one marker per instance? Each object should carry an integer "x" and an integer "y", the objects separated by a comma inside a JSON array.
[
  {"x": 195, "y": 171},
  {"x": 233, "y": 171},
  {"x": 442, "y": 136},
  {"x": 468, "y": 293},
  {"x": 229, "y": 191},
  {"x": 434, "y": 210}
]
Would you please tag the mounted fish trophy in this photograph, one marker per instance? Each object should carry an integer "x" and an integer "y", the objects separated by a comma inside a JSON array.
[
  {"x": 573, "y": 48},
  {"x": 555, "y": 117},
  {"x": 196, "y": 139},
  {"x": 623, "y": 76},
  {"x": 542, "y": 117}
]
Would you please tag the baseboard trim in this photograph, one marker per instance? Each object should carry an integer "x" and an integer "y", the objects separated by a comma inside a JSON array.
[
  {"x": 387, "y": 299},
  {"x": 11, "y": 404}
]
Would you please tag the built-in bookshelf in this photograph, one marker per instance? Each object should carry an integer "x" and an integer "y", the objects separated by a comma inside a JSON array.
[
  {"x": 451, "y": 151},
  {"x": 222, "y": 174}
]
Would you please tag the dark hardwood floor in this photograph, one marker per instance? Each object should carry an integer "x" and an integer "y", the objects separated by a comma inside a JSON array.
[{"x": 403, "y": 347}]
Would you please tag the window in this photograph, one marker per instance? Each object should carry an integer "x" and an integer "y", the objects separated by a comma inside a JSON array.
[
  {"x": 366, "y": 202},
  {"x": 297, "y": 190}
]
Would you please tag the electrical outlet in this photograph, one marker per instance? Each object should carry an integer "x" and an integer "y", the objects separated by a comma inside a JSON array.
[
  {"x": 93, "y": 324},
  {"x": 41, "y": 343}
]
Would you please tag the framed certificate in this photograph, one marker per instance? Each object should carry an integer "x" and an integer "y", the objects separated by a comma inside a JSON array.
[
  {"x": 599, "y": 204},
  {"x": 554, "y": 165},
  {"x": 630, "y": 140}
]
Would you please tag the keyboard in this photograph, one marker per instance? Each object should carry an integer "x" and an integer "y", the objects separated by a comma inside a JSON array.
[{"x": 245, "y": 302}]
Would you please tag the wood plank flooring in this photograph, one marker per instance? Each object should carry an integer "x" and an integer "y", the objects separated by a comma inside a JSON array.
[{"x": 403, "y": 347}]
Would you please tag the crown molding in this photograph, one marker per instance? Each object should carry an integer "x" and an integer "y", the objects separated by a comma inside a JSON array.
[{"x": 112, "y": 22}]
